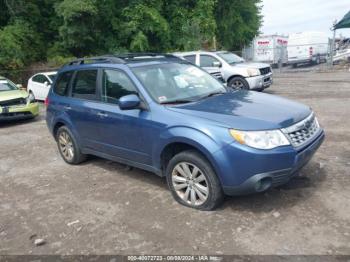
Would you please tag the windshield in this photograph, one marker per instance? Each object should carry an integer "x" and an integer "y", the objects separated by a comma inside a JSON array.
[
  {"x": 231, "y": 58},
  {"x": 176, "y": 82},
  {"x": 6, "y": 85}
]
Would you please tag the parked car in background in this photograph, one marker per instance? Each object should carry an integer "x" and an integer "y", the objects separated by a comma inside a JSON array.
[
  {"x": 213, "y": 71},
  {"x": 39, "y": 85},
  {"x": 307, "y": 48},
  {"x": 15, "y": 103},
  {"x": 236, "y": 72},
  {"x": 163, "y": 114}
]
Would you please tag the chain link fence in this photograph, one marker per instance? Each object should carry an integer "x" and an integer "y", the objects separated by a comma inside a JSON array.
[{"x": 286, "y": 56}]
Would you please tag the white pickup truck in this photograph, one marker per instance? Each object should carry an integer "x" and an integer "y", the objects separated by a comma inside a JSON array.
[{"x": 236, "y": 72}]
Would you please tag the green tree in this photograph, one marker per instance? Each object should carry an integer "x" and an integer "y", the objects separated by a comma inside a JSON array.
[
  {"x": 237, "y": 22},
  {"x": 19, "y": 45},
  {"x": 79, "y": 30}
]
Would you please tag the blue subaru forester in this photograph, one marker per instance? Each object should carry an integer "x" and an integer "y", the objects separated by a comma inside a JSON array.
[{"x": 162, "y": 114}]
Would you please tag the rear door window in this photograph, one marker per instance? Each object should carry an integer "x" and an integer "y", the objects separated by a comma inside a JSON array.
[
  {"x": 62, "y": 84},
  {"x": 84, "y": 85}
]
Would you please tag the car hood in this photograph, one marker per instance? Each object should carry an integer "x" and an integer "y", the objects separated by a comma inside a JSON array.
[
  {"x": 13, "y": 94},
  {"x": 251, "y": 65},
  {"x": 246, "y": 110}
]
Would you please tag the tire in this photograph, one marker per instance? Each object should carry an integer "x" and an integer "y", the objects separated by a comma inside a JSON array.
[
  {"x": 237, "y": 83},
  {"x": 318, "y": 60},
  {"x": 68, "y": 147},
  {"x": 189, "y": 187}
]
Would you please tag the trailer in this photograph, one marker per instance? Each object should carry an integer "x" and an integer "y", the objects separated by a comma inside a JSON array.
[
  {"x": 307, "y": 48},
  {"x": 270, "y": 49}
]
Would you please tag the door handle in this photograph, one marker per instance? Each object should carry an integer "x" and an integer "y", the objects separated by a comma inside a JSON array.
[
  {"x": 67, "y": 107},
  {"x": 102, "y": 114}
]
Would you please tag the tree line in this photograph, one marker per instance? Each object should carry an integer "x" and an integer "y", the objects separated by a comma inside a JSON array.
[{"x": 44, "y": 30}]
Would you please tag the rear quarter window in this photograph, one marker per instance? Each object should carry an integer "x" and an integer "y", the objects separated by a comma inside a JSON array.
[{"x": 62, "y": 83}]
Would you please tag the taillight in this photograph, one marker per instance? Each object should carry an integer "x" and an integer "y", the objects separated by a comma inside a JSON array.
[
  {"x": 47, "y": 102},
  {"x": 311, "y": 51}
]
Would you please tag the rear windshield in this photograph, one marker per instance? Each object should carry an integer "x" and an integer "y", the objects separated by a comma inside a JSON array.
[{"x": 6, "y": 85}]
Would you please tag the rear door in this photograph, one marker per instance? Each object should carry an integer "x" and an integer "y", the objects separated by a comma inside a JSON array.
[
  {"x": 38, "y": 86},
  {"x": 81, "y": 107}
]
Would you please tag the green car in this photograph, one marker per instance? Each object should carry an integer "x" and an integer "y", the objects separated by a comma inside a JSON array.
[{"x": 15, "y": 103}]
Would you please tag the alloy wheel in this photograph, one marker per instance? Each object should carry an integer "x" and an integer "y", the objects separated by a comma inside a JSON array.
[
  {"x": 237, "y": 84},
  {"x": 66, "y": 146},
  {"x": 190, "y": 184}
]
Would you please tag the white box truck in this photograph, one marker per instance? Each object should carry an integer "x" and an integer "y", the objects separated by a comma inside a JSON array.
[
  {"x": 307, "y": 48},
  {"x": 270, "y": 49}
]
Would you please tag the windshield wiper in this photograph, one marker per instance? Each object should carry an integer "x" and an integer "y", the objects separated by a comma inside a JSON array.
[
  {"x": 177, "y": 101},
  {"x": 213, "y": 94}
]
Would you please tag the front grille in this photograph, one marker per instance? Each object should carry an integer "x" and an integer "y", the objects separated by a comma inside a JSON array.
[
  {"x": 4, "y": 115},
  {"x": 302, "y": 132},
  {"x": 13, "y": 102},
  {"x": 265, "y": 70}
]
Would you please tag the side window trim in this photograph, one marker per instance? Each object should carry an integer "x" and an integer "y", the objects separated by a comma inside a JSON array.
[
  {"x": 59, "y": 79},
  {"x": 99, "y": 86},
  {"x": 70, "y": 86},
  {"x": 117, "y": 70},
  {"x": 212, "y": 57}
]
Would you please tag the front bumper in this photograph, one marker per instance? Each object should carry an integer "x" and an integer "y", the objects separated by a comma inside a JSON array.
[
  {"x": 19, "y": 112},
  {"x": 260, "y": 82},
  {"x": 248, "y": 170}
]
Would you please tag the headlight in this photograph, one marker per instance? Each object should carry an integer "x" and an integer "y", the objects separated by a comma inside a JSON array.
[
  {"x": 253, "y": 72},
  {"x": 260, "y": 139}
]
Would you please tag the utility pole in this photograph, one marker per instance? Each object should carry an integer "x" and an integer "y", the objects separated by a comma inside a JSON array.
[{"x": 332, "y": 44}]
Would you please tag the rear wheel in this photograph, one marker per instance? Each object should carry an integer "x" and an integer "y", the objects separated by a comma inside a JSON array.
[
  {"x": 237, "y": 83},
  {"x": 68, "y": 146},
  {"x": 318, "y": 60},
  {"x": 193, "y": 182}
]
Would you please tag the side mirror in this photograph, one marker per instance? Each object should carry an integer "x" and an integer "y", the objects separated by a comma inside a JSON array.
[
  {"x": 19, "y": 86},
  {"x": 217, "y": 64},
  {"x": 129, "y": 102},
  {"x": 46, "y": 83}
]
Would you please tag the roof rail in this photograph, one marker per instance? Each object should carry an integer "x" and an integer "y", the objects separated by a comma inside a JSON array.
[
  {"x": 142, "y": 55},
  {"x": 100, "y": 59},
  {"x": 118, "y": 58}
]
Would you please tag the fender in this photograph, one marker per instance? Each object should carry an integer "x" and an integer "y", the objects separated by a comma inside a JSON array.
[
  {"x": 191, "y": 136},
  {"x": 62, "y": 118}
]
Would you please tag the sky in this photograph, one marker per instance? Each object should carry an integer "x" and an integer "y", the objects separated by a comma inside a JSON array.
[{"x": 292, "y": 16}]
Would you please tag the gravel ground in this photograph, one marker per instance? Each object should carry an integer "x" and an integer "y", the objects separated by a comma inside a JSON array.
[{"x": 100, "y": 207}]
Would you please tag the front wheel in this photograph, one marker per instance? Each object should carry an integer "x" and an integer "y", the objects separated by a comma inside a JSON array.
[
  {"x": 193, "y": 182},
  {"x": 237, "y": 83}
]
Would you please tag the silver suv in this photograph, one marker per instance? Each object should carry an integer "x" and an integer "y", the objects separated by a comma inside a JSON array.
[{"x": 236, "y": 72}]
